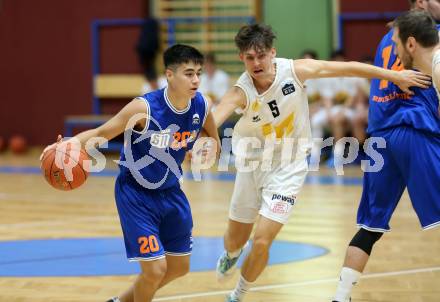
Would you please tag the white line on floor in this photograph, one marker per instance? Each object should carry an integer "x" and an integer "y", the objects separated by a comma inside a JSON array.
[{"x": 302, "y": 283}]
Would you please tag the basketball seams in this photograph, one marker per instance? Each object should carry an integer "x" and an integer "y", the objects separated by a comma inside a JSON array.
[
  {"x": 86, "y": 174},
  {"x": 77, "y": 164},
  {"x": 50, "y": 170},
  {"x": 62, "y": 163},
  {"x": 48, "y": 167},
  {"x": 47, "y": 155}
]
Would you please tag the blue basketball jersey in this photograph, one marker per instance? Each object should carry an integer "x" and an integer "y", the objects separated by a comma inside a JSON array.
[
  {"x": 390, "y": 107},
  {"x": 154, "y": 156}
]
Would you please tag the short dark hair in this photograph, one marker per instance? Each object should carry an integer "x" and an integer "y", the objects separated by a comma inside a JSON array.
[
  {"x": 412, "y": 2},
  {"x": 179, "y": 54},
  {"x": 309, "y": 52},
  {"x": 337, "y": 53},
  {"x": 417, "y": 24},
  {"x": 258, "y": 36}
]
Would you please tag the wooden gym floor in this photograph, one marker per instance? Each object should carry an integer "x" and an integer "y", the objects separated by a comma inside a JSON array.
[{"x": 405, "y": 265}]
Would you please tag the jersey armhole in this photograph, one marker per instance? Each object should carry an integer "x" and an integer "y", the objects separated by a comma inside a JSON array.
[
  {"x": 147, "y": 111},
  {"x": 292, "y": 69},
  {"x": 206, "y": 109},
  {"x": 436, "y": 59},
  {"x": 242, "y": 110}
]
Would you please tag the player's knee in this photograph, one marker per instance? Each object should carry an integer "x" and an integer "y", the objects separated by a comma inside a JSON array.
[
  {"x": 365, "y": 240},
  {"x": 261, "y": 246},
  {"x": 154, "y": 274}
]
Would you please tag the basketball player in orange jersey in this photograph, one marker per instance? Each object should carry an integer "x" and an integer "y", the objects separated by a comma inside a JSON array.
[
  {"x": 272, "y": 98},
  {"x": 154, "y": 212}
]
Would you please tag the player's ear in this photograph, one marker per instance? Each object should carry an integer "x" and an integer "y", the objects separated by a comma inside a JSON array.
[
  {"x": 169, "y": 73},
  {"x": 241, "y": 56},
  {"x": 273, "y": 52},
  {"x": 411, "y": 44}
]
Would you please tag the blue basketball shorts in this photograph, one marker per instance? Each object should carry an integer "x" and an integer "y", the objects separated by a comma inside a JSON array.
[
  {"x": 154, "y": 222},
  {"x": 411, "y": 160}
]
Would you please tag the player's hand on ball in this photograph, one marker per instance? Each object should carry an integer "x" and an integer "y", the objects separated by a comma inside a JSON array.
[{"x": 59, "y": 140}]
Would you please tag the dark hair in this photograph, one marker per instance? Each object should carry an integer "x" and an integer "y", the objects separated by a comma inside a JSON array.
[
  {"x": 417, "y": 24},
  {"x": 309, "y": 52},
  {"x": 367, "y": 59},
  {"x": 337, "y": 53},
  {"x": 179, "y": 54},
  {"x": 412, "y": 2},
  {"x": 257, "y": 36}
]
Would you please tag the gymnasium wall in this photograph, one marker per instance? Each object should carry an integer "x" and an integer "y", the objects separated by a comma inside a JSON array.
[
  {"x": 45, "y": 60},
  {"x": 300, "y": 25},
  {"x": 361, "y": 37}
]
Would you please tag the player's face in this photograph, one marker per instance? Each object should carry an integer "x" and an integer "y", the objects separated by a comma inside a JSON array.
[
  {"x": 185, "y": 79},
  {"x": 402, "y": 50},
  {"x": 433, "y": 7},
  {"x": 258, "y": 63}
]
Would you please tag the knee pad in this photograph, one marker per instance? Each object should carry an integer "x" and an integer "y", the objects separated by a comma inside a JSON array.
[{"x": 365, "y": 240}]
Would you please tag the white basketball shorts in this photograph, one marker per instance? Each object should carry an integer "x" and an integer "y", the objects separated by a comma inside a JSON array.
[{"x": 271, "y": 194}]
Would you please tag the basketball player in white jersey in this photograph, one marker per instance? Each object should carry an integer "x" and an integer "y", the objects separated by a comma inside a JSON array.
[{"x": 272, "y": 98}]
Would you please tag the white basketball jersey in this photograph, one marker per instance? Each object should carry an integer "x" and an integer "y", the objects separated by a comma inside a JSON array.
[
  {"x": 278, "y": 113},
  {"x": 435, "y": 61}
]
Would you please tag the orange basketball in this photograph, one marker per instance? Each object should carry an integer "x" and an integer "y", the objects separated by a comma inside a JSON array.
[
  {"x": 17, "y": 144},
  {"x": 64, "y": 169}
]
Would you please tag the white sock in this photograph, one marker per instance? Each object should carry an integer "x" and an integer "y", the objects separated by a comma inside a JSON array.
[
  {"x": 234, "y": 253},
  {"x": 347, "y": 279},
  {"x": 242, "y": 288},
  {"x": 115, "y": 299}
]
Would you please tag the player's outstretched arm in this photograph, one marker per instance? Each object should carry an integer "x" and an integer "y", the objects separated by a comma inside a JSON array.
[
  {"x": 233, "y": 99},
  {"x": 124, "y": 119},
  {"x": 211, "y": 129},
  {"x": 113, "y": 127},
  {"x": 310, "y": 69}
]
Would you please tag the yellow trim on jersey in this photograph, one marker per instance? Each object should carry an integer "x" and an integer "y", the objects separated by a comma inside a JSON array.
[{"x": 282, "y": 129}]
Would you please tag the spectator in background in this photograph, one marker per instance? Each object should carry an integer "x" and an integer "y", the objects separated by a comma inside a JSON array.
[
  {"x": 214, "y": 82},
  {"x": 147, "y": 48},
  {"x": 353, "y": 117},
  {"x": 338, "y": 98}
]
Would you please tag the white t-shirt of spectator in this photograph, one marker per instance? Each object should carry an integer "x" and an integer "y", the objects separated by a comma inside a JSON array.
[{"x": 215, "y": 86}]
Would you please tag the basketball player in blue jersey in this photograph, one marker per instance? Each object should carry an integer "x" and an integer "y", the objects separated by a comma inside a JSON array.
[
  {"x": 410, "y": 126},
  {"x": 154, "y": 212},
  {"x": 272, "y": 98}
]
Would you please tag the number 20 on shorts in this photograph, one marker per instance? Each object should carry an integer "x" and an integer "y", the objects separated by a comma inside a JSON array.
[{"x": 148, "y": 244}]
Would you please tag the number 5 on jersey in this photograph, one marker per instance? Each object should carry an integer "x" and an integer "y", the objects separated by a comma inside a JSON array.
[{"x": 281, "y": 129}]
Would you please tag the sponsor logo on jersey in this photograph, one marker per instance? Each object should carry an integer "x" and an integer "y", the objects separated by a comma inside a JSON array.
[
  {"x": 288, "y": 199},
  {"x": 160, "y": 140},
  {"x": 279, "y": 207},
  {"x": 196, "y": 119},
  {"x": 256, "y": 118},
  {"x": 288, "y": 88}
]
